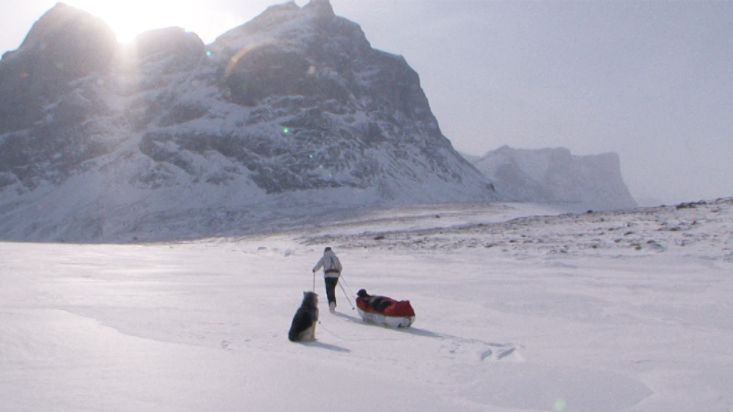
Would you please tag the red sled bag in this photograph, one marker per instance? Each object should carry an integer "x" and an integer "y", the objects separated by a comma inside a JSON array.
[
  {"x": 385, "y": 311},
  {"x": 401, "y": 308}
]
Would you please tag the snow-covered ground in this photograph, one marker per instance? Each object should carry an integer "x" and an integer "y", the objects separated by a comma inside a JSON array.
[{"x": 590, "y": 312}]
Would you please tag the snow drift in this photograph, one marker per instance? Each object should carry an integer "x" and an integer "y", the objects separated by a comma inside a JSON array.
[{"x": 607, "y": 312}]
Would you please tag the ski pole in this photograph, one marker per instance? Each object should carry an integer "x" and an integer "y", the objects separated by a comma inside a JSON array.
[
  {"x": 314, "y": 281},
  {"x": 345, "y": 283},
  {"x": 348, "y": 299}
]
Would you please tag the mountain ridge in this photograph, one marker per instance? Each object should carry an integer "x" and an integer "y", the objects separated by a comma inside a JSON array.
[
  {"x": 290, "y": 114},
  {"x": 556, "y": 176}
]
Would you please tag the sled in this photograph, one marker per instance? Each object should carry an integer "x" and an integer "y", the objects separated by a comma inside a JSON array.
[{"x": 388, "y": 312}]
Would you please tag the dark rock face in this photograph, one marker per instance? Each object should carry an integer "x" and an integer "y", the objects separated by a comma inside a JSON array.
[
  {"x": 69, "y": 43},
  {"x": 182, "y": 49},
  {"x": 294, "y": 104},
  {"x": 316, "y": 83},
  {"x": 45, "y": 106},
  {"x": 64, "y": 45},
  {"x": 556, "y": 176}
]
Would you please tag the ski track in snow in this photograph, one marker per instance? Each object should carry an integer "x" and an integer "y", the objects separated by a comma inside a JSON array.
[{"x": 540, "y": 320}]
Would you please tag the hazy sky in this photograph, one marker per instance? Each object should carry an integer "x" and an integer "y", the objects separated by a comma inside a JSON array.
[{"x": 652, "y": 81}]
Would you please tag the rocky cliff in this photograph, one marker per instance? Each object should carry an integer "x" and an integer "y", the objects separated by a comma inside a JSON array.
[
  {"x": 289, "y": 115},
  {"x": 556, "y": 176}
]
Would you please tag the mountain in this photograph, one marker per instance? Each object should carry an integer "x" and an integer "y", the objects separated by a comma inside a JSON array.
[
  {"x": 556, "y": 176},
  {"x": 290, "y": 115}
]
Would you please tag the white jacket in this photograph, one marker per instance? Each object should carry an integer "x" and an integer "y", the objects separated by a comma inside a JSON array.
[{"x": 330, "y": 264}]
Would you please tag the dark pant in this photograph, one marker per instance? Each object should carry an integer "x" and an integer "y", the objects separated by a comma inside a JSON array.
[{"x": 331, "y": 289}]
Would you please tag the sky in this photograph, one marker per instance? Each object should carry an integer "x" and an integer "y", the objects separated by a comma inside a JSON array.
[{"x": 651, "y": 81}]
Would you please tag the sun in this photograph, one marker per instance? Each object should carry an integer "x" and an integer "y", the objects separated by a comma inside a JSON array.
[{"x": 132, "y": 17}]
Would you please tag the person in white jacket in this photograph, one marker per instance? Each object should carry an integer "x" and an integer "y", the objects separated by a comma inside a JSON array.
[{"x": 331, "y": 271}]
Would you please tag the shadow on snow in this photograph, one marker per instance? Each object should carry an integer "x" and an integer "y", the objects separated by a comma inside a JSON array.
[
  {"x": 326, "y": 346},
  {"x": 411, "y": 330}
]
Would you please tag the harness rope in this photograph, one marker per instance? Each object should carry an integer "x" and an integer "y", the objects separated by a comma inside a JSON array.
[
  {"x": 347, "y": 296},
  {"x": 337, "y": 336}
]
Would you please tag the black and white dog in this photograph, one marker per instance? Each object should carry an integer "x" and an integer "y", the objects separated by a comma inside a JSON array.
[{"x": 304, "y": 321}]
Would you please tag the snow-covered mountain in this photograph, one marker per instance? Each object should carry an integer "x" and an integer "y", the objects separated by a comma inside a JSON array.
[
  {"x": 556, "y": 176},
  {"x": 290, "y": 114}
]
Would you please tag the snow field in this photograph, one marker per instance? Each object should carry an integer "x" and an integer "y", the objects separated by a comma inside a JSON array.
[{"x": 203, "y": 325}]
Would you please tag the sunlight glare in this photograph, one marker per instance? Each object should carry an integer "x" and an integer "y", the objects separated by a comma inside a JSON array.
[{"x": 132, "y": 17}]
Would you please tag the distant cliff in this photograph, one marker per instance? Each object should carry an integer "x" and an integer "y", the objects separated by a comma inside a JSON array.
[{"x": 557, "y": 176}]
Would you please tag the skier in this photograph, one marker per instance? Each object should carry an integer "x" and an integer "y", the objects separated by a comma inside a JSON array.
[{"x": 331, "y": 272}]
